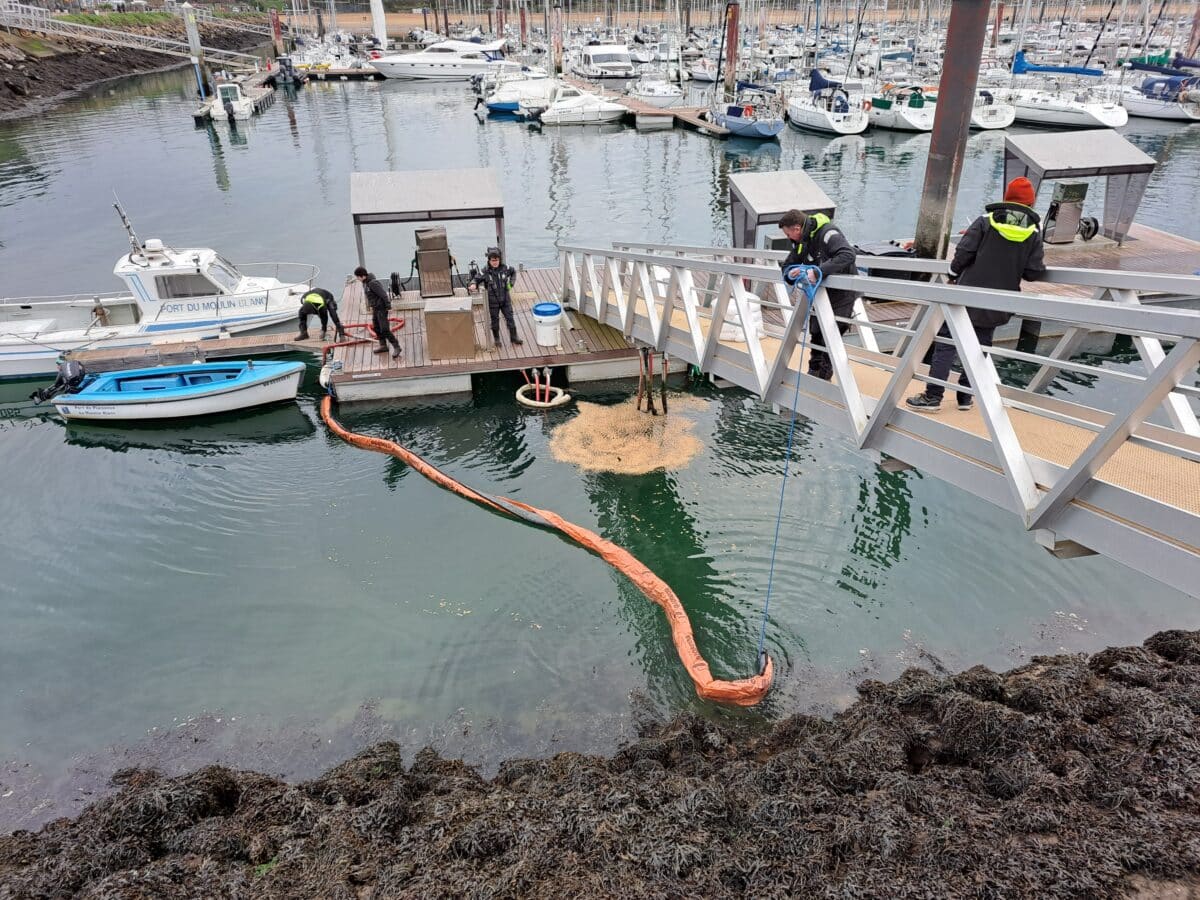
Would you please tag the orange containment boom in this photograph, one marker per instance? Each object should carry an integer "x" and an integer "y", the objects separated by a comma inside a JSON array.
[{"x": 742, "y": 692}]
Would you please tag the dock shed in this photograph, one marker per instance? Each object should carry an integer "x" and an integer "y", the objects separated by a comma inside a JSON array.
[
  {"x": 759, "y": 199},
  {"x": 441, "y": 195},
  {"x": 1085, "y": 154}
]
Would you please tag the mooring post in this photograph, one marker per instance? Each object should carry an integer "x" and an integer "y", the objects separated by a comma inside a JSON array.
[
  {"x": 732, "y": 13},
  {"x": 557, "y": 40},
  {"x": 195, "y": 47},
  {"x": 951, "y": 125}
]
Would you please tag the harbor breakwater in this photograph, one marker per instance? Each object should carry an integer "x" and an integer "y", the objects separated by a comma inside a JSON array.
[
  {"x": 1071, "y": 776},
  {"x": 37, "y": 71}
]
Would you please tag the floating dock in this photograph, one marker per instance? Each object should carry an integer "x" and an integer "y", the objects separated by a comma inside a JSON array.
[
  {"x": 363, "y": 73},
  {"x": 587, "y": 349},
  {"x": 689, "y": 116}
]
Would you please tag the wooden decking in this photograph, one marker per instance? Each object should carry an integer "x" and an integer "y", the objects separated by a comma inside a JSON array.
[
  {"x": 583, "y": 342},
  {"x": 691, "y": 116}
]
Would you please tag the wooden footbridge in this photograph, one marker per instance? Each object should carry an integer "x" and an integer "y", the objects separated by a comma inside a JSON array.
[{"x": 1117, "y": 475}]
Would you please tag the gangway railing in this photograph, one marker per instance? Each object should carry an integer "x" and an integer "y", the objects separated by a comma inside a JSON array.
[
  {"x": 205, "y": 17},
  {"x": 23, "y": 17},
  {"x": 1083, "y": 477}
]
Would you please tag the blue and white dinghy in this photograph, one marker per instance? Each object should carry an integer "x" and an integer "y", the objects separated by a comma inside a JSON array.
[{"x": 172, "y": 392}]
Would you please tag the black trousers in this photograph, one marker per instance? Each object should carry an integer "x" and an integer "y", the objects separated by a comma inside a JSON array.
[
  {"x": 819, "y": 363},
  {"x": 383, "y": 328},
  {"x": 494, "y": 310},
  {"x": 944, "y": 356},
  {"x": 307, "y": 309}
]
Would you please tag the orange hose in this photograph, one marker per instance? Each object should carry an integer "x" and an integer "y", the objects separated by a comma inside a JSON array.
[{"x": 742, "y": 692}]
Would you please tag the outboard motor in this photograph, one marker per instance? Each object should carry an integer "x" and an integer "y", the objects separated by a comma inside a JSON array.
[
  {"x": 70, "y": 376},
  {"x": 229, "y": 111}
]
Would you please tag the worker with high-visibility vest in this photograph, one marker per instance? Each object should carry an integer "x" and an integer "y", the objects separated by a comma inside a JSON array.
[{"x": 319, "y": 302}]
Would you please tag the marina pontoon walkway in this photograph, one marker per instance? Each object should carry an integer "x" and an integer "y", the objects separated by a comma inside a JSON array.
[{"x": 1121, "y": 478}]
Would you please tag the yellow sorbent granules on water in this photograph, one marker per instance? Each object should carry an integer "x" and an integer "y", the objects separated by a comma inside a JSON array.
[{"x": 622, "y": 440}]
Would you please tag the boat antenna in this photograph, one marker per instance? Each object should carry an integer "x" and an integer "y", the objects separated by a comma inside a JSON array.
[{"x": 134, "y": 242}]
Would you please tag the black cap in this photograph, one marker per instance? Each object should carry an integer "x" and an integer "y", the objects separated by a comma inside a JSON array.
[{"x": 494, "y": 253}]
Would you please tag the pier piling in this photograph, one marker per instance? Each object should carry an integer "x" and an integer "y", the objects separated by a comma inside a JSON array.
[{"x": 951, "y": 124}]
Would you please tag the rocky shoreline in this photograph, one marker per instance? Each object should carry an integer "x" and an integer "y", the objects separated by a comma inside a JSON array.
[
  {"x": 37, "y": 72},
  {"x": 1072, "y": 776}
]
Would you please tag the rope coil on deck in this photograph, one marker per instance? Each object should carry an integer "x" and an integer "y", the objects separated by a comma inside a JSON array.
[{"x": 741, "y": 692}]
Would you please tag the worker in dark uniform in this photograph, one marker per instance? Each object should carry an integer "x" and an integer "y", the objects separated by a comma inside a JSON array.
[
  {"x": 380, "y": 303},
  {"x": 320, "y": 303},
  {"x": 997, "y": 251},
  {"x": 816, "y": 241},
  {"x": 499, "y": 280}
]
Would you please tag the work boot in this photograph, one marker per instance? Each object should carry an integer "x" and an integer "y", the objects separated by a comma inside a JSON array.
[
  {"x": 302, "y": 336},
  {"x": 396, "y": 352},
  {"x": 341, "y": 336},
  {"x": 496, "y": 338},
  {"x": 324, "y": 335},
  {"x": 516, "y": 341},
  {"x": 382, "y": 348}
]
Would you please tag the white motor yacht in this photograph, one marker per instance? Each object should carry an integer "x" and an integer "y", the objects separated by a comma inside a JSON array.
[
  {"x": 446, "y": 61},
  {"x": 568, "y": 105},
  {"x": 172, "y": 294},
  {"x": 654, "y": 90},
  {"x": 604, "y": 61}
]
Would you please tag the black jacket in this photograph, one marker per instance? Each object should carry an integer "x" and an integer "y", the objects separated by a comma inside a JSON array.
[
  {"x": 997, "y": 251},
  {"x": 377, "y": 294},
  {"x": 498, "y": 280},
  {"x": 330, "y": 304},
  {"x": 827, "y": 248}
]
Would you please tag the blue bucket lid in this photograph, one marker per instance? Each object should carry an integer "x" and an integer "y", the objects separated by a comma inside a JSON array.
[{"x": 546, "y": 309}]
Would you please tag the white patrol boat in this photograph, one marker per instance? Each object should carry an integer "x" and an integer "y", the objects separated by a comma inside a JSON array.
[{"x": 172, "y": 294}]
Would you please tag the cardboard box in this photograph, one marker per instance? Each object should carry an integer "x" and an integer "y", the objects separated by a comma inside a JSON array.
[
  {"x": 450, "y": 328},
  {"x": 433, "y": 238}
]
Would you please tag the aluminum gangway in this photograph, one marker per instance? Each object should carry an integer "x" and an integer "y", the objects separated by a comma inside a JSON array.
[
  {"x": 205, "y": 17},
  {"x": 1118, "y": 475},
  {"x": 22, "y": 17}
]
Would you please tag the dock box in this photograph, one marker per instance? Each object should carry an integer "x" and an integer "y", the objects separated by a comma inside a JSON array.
[
  {"x": 432, "y": 238},
  {"x": 450, "y": 328}
]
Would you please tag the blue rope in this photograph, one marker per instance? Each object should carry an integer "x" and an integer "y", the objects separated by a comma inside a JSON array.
[{"x": 798, "y": 275}]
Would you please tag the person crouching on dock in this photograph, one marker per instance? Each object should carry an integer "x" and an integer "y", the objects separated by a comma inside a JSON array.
[{"x": 320, "y": 303}]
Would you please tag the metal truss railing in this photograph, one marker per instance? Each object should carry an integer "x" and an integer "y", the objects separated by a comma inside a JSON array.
[
  {"x": 1082, "y": 478},
  {"x": 23, "y": 17},
  {"x": 204, "y": 17}
]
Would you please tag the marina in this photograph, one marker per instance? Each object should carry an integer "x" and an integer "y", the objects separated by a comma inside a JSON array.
[{"x": 635, "y": 523}]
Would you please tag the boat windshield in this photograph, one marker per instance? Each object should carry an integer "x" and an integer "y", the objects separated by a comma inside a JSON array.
[
  {"x": 609, "y": 58},
  {"x": 225, "y": 274}
]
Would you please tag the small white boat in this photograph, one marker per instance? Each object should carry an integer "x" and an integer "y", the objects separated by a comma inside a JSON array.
[
  {"x": 176, "y": 392},
  {"x": 703, "y": 69},
  {"x": 226, "y": 105},
  {"x": 568, "y": 105},
  {"x": 991, "y": 113},
  {"x": 827, "y": 108},
  {"x": 901, "y": 108},
  {"x": 656, "y": 91},
  {"x": 1068, "y": 110},
  {"x": 175, "y": 294},
  {"x": 446, "y": 61},
  {"x": 604, "y": 61},
  {"x": 1173, "y": 97},
  {"x": 508, "y": 95}
]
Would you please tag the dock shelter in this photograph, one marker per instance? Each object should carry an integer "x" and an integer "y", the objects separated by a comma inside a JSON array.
[
  {"x": 438, "y": 196},
  {"x": 759, "y": 199},
  {"x": 1085, "y": 154}
]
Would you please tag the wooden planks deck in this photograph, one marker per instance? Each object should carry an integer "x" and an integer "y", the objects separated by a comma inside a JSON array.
[
  {"x": 582, "y": 340},
  {"x": 692, "y": 116}
]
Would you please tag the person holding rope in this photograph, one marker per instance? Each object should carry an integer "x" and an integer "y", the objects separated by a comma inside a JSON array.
[
  {"x": 380, "y": 303},
  {"x": 815, "y": 241},
  {"x": 320, "y": 303}
]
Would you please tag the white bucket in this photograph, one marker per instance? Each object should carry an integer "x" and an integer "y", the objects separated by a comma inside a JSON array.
[{"x": 546, "y": 317}]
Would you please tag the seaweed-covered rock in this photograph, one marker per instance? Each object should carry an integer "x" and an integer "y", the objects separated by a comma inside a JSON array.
[{"x": 1069, "y": 777}]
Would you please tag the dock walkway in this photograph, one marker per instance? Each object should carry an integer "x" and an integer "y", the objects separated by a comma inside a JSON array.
[
  {"x": 589, "y": 349},
  {"x": 690, "y": 116}
]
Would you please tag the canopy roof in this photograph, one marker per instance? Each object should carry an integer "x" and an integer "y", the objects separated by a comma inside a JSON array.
[
  {"x": 761, "y": 198},
  {"x": 424, "y": 195},
  {"x": 1077, "y": 154}
]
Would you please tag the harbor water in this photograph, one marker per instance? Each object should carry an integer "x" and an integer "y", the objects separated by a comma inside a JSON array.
[{"x": 252, "y": 590}]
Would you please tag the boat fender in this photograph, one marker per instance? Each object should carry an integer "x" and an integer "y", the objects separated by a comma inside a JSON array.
[{"x": 558, "y": 397}]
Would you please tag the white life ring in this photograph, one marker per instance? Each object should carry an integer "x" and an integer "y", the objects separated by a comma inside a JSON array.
[{"x": 557, "y": 397}]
